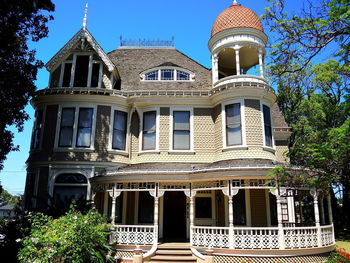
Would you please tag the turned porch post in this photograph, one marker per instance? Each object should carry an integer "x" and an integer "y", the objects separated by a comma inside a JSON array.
[
  {"x": 314, "y": 194},
  {"x": 156, "y": 213},
  {"x": 191, "y": 217},
  {"x": 114, "y": 194},
  {"x": 277, "y": 193},
  {"x": 238, "y": 65}
]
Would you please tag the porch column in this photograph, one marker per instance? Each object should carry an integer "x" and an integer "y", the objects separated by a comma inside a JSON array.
[
  {"x": 314, "y": 194},
  {"x": 261, "y": 63},
  {"x": 191, "y": 217},
  {"x": 323, "y": 220},
  {"x": 279, "y": 220},
  {"x": 238, "y": 65},
  {"x": 114, "y": 194},
  {"x": 156, "y": 213},
  {"x": 329, "y": 203},
  {"x": 230, "y": 221},
  {"x": 215, "y": 68}
]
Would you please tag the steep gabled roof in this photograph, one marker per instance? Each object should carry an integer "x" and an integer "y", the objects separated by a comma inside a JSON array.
[{"x": 81, "y": 34}]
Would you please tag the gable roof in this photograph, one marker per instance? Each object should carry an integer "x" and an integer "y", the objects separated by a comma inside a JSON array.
[{"x": 81, "y": 34}]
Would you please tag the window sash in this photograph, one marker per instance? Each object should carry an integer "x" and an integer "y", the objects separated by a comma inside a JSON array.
[
  {"x": 267, "y": 126},
  {"x": 119, "y": 130},
  {"x": 233, "y": 124},
  {"x": 153, "y": 75},
  {"x": 36, "y": 136},
  {"x": 181, "y": 75},
  {"x": 167, "y": 74},
  {"x": 181, "y": 130},
  {"x": 66, "y": 127},
  {"x": 84, "y": 130},
  {"x": 149, "y": 130}
]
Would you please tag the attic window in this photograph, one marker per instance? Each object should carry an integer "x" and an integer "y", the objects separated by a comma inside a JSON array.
[
  {"x": 81, "y": 71},
  {"x": 167, "y": 74}
]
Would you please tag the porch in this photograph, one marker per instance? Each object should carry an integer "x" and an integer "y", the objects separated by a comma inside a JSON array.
[{"x": 232, "y": 223}]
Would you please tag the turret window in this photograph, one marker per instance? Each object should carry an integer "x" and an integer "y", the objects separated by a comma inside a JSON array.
[
  {"x": 267, "y": 126},
  {"x": 67, "y": 125},
  {"x": 233, "y": 124},
  {"x": 119, "y": 130},
  {"x": 37, "y": 129},
  {"x": 149, "y": 130},
  {"x": 84, "y": 127}
]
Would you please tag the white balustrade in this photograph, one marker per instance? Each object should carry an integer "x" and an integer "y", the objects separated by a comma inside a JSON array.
[
  {"x": 327, "y": 237},
  {"x": 261, "y": 237},
  {"x": 133, "y": 234}
]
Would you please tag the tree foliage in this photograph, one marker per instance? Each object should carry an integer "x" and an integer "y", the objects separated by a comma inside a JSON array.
[
  {"x": 302, "y": 36},
  {"x": 74, "y": 237},
  {"x": 21, "y": 21}
]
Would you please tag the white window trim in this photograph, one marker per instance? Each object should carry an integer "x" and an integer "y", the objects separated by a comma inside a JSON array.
[
  {"x": 171, "y": 125},
  {"x": 223, "y": 121},
  {"x": 156, "y": 150},
  {"x": 75, "y": 128},
  {"x": 41, "y": 129},
  {"x": 265, "y": 147},
  {"x": 143, "y": 74},
  {"x": 110, "y": 143},
  {"x": 74, "y": 61}
]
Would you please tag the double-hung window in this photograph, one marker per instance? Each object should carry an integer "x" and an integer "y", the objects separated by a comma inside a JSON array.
[
  {"x": 119, "y": 130},
  {"x": 267, "y": 126},
  {"x": 181, "y": 130},
  {"x": 76, "y": 127},
  {"x": 37, "y": 129},
  {"x": 149, "y": 130},
  {"x": 233, "y": 124}
]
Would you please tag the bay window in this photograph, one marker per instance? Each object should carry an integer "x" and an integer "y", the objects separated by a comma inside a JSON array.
[
  {"x": 149, "y": 131},
  {"x": 267, "y": 126},
  {"x": 75, "y": 127},
  {"x": 233, "y": 124},
  {"x": 119, "y": 130},
  {"x": 181, "y": 130}
]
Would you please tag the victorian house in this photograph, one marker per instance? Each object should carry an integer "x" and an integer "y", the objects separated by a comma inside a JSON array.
[{"x": 172, "y": 151}]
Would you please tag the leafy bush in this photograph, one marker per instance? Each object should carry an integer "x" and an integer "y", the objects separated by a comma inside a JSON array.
[
  {"x": 339, "y": 256},
  {"x": 74, "y": 237}
]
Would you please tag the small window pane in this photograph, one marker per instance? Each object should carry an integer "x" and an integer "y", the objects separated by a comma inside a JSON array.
[
  {"x": 81, "y": 71},
  {"x": 181, "y": 120},
  {"x": 149, "y": 121},
  {"x": 95, "y": 75},
  {"x": 66, "y": 74},
  {"x": 149, "y": 141},
  {"x": 149, "y": 130},
  {"x": 66, "y": 129},
  {"x": 84, "y": 127},
  {"x": 167, "y": 74},
  {"x": 181, "y": 130},
  {"x": 233, "y": 124},
  {"x": 119, "y": 130},
  {"x": 234, "y": 135},
  {"x": 152, "y": 75},
  {"x": 181, "y": 140},
  {"x": 267, "y": 126},
  {"x": 182, "y": 75}
]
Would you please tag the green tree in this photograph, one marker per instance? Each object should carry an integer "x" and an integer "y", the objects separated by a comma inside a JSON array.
[{"x": 21, "y": 21}]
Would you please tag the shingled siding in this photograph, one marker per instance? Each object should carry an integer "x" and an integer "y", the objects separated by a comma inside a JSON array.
[
  {"x": 102, "y": 131},
  {"x": 134, "y": 132},
  {"x": 217, "y": 119},
  {"x": 164, "y": 129},
  {"x": 253, "y": 123}
]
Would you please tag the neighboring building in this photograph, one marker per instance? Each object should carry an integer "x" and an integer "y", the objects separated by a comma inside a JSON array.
[
  {"x": 7, "y": 211},
  {"x": 173, "y": 151}
]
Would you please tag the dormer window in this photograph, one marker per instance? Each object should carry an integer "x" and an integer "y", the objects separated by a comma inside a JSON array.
[
  {"x": 81, "y": 71},
  {"x": 167, "y": 74}
]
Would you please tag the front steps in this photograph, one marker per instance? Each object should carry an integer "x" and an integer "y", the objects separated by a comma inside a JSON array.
[{"x": 173, "y": 252}]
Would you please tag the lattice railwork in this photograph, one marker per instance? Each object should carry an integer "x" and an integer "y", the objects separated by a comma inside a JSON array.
[
  {"x": 255, "y": 238},
  {"x": 302, "y": 259},
  {"x": 216, "y": 237},
  {"x": 208, "y": 185},
  {"x": 133, "y": 235},
  {"x": 327, "y": 236},
  {"x": 295, "y": 238},
  {"x": 174, "y": 186},
  {"x": 122, "y": 254}
]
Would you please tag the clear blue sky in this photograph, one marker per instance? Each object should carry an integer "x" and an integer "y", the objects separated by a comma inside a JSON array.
[{"x": 189, "y": 21}]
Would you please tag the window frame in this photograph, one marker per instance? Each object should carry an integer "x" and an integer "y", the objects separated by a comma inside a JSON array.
[
  {"x": 225, "y": 146},
  {"x": 204, "y": 194},
  {"x": 90, "y": 67},
  {"x": 171, "y": 130},
  {"x": 175, "y": 73},
  {"x": 32, "y": 149},
  {"x": 156, "y": 150},
  {"x": 271, "y": 148},
  {"x": 111, "y": 129},
  {"x": 75, "y": 128}
]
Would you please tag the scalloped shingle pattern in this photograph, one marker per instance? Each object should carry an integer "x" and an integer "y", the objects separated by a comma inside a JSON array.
[{"x": 236, "y": 16}]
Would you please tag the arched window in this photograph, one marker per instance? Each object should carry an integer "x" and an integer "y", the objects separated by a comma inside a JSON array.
[
  {"x": 69, "y": 188},
  {"x": 167, "y": 74}
]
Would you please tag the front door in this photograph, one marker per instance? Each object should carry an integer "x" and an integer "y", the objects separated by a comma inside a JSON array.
[{"x": 174, "y": 220}]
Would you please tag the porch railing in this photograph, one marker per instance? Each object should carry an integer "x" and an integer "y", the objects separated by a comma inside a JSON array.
[
  {"x": 262, "y": 238},
  {"x": 133, "y": 235}
]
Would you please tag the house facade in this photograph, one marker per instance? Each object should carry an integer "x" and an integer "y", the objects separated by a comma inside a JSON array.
[{"x": 173, "y": 151}]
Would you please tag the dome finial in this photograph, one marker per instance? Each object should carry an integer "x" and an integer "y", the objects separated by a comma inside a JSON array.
[
  {"x": 235, "y": 2},
  {"x": 85, "y": 16}
]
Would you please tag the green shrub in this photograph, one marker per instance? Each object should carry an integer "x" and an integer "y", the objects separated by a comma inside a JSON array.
[
  {"x": 339, "y": 256},
  {"x": 74, "y": 237}
]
